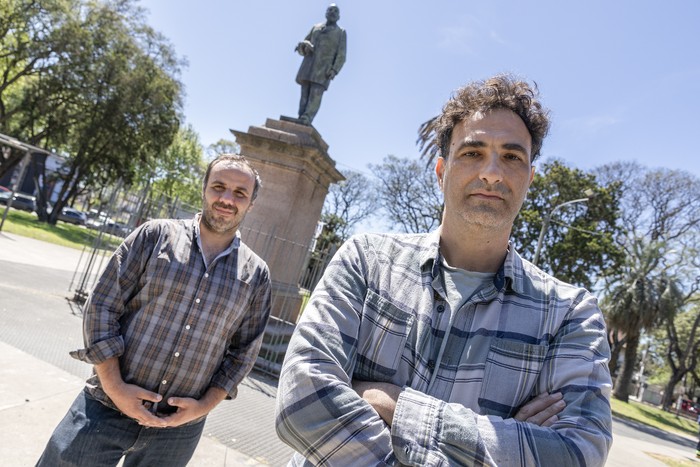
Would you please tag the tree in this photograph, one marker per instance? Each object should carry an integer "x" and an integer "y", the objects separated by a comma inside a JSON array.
[
  {"x": 110, "y": 100},
  {"x": 579, "y": 244},
  {"x": 633, "y": 306},
  {"x": 31, "y": 41},
  {"x": 661, "y": 248},
  {"x": 408, "y": 192},
  {"x": 179, "y": 171},
  {"x": 683, "y": 341},
  {"x": 348, "y": 203},
  {"x": 223, "y": 146}
]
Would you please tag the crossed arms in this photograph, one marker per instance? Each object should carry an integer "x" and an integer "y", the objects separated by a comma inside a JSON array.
[{"x": 332, "y": 420}]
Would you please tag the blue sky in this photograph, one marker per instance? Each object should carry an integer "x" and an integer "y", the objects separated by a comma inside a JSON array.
[{"x": 622, "y": 78}]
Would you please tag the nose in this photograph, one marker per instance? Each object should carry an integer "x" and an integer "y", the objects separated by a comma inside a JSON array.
[
  {"x": 491, "y": 170},
  {"x": 227, "y": 197}
]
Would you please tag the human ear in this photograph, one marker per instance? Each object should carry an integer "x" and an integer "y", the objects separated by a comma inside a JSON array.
[{"x": 440, "y": 171}]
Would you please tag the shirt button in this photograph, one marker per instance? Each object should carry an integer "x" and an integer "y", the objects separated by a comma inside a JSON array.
[
  {"x": 177, "y": 354},
  {"x": 165, "y": 381},
  {"x": 187, "y": 327},
  {"x": 197, "y": 300},
  {"x": 431, "y": 364},
  {"x": 441, "y": 308},
  {"x": 206, "y": 274}
]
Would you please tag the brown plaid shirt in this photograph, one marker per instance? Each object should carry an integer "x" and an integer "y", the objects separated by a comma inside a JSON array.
[{"x": 177, "y": 325}]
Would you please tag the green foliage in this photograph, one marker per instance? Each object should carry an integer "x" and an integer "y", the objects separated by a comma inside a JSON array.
[
  {"x": 223, "y": 146},
  {"x": 90, "y": 80},
  {"x": 579, "y": 243},
  {"x": 180, "y": 169}
]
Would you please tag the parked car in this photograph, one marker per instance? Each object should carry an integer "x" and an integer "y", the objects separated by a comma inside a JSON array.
[
  {"x": 19, "y": 201},
  {"x": 72, "y": 216},
  {"x": 106, "y": 224},
  {"x": 115, "y": 228}
]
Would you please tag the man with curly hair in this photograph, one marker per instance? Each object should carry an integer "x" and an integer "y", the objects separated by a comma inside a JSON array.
[{"x": 448, "y": 348}]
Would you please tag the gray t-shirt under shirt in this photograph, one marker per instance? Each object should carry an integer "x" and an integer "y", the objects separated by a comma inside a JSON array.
[{"x": 460, "y": 285}]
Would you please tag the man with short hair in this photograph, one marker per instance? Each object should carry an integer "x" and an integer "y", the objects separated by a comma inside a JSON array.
[
  {"x": 173, "y": 325},
  {"x": 448, "y": 348}
]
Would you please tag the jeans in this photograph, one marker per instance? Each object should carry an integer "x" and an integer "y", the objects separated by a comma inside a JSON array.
[{"x": 92, "y": 434}]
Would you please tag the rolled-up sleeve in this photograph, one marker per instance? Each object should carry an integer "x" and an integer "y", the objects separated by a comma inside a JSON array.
[{"x": 106, "y": 303}]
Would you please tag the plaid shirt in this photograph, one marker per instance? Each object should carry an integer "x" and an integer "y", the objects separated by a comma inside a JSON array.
[
  {"x": 372, "y": 318},
  {"x": 177, "y": 326}
]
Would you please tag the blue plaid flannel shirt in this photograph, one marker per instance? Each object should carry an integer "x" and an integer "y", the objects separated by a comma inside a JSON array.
[{"x": 370, "y": 318}]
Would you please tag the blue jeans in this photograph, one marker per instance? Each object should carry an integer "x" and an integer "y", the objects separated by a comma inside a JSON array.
[{"x": 94, "y": 435}]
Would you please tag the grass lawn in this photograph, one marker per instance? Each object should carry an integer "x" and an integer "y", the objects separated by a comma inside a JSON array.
[
  {"x": 650, "y": 415},
  {"x": 73, "y": 236}
]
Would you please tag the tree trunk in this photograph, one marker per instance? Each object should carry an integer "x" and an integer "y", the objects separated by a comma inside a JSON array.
[
  {"x": 668, "y": 399},
  {"x": 621, "y": 391},
  {"x": 616, "y": 346}
]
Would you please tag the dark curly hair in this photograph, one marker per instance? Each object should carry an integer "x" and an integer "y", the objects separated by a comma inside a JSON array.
[{"x": 499, "y": 92}]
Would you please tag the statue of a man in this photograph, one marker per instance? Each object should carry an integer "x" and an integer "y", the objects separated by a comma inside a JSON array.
[{"x": 324, "y": 55}]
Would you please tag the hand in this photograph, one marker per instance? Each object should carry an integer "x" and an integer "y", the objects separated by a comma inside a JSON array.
[
  {"x": 381, "y": 396},
  {"x": 186, "y": 410},
  {"x": 304, "y": 48},
  {"x": 134, "y": 402},
  {"x": 330, "y": 74},
  {"x": 542, "y": 410}
]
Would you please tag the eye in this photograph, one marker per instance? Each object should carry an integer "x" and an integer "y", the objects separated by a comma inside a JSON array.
[{"x": 513, "y": 156}]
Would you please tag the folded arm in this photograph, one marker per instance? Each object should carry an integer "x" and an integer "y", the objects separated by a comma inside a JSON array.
[{"x": 322, "y": 417}]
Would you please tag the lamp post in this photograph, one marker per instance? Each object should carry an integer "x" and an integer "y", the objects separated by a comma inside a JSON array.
[{"x": 547, "y": 219}]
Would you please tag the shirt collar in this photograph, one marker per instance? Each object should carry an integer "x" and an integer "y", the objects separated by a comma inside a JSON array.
[
  {"x": 510, "y": 274},
  {"x": 235, "y": 243}
]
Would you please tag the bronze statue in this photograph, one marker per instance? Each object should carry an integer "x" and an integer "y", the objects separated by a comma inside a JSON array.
[{"x": 323, "y": 50}]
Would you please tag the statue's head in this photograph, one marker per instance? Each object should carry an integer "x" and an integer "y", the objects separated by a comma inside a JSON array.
[{"x": 333, "y": 13}]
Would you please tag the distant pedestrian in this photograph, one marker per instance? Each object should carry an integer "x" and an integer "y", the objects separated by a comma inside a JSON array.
[
  {"x": 697, "y": 447},
  {"x": 172, "y": 327}
]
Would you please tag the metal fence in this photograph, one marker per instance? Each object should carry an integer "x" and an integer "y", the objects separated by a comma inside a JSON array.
[{"x": 128, "y": 210}]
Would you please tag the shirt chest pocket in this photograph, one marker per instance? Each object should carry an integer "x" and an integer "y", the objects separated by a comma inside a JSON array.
[
  {"x": 510, "y": 376},
  {"x": 384, "y": 330}
]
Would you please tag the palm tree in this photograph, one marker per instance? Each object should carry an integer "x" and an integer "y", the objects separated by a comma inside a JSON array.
[
  {"x": 632, "y": 305},
  {"x": 426, "y": 142}
]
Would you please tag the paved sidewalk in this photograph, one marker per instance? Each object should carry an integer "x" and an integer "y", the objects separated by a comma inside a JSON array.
[{"x": 34, "y": 397}]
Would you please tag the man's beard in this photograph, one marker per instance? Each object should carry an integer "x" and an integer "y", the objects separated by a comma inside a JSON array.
[{"x": 217, "y": 224}]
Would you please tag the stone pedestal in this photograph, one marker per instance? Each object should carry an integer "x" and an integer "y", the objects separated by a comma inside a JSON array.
[{"x": 296, "y": 171}]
